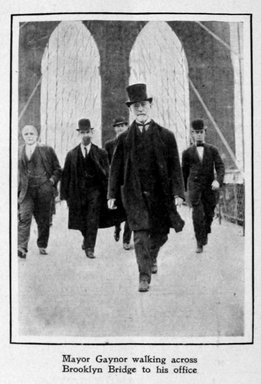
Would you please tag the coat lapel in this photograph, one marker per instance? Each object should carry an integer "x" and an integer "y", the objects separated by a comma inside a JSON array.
[
  {"x": 196, "y": 155},
  {"x": 130, "y": 138},
  {"x": 131, "y": 147},
  {"x": 96, "y": 157},
  {"x": 43, "y": 157},
  {"x": 157, "y": 141},
  {"x": 205, "y": 155},
  {"x": 22, "y": 156}
]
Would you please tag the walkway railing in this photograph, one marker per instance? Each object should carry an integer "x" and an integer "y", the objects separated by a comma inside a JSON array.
[{"x": 231, "y": 205}]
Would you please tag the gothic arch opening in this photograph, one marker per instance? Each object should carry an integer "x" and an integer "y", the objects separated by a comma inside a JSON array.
[
  {"x": 70, "y": 87},
  {"x": 158, "y": 59}
]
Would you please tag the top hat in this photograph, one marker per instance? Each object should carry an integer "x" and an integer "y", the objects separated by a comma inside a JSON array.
[
  {"x": 198, "y": 125},
  {"x": 119, "y": 121},
  {"x": 137, "y": 93},
  {"x": 84, "y": 125}
]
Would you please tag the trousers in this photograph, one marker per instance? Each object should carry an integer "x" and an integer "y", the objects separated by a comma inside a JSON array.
[
  {"x": 91, "y": 215},
  {"x": 38, "y": 202},
  {"x": 202, "y": 217},
  {"x": 126, "y": 232},
  {"x": 147, "y": 245}
]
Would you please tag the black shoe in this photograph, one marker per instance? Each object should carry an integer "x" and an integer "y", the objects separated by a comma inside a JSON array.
[
  {"x": 116, "y": 235},
  {"x": 144, "y": 284},
  {"x": 199, "y": 248},
  {"x": 21, "y": 254},
  {"x": 154, "y": 268},
  {"x": 126, "y": 246},
  {"x": 42, "y": 251},
  {"x": 89, "y": 253}
]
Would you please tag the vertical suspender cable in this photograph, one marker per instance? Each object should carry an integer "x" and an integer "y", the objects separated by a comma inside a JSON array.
[{"x": 215, "y": 126}]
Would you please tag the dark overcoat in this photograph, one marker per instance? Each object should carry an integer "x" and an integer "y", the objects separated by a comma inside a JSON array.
[
  {"x": 110, "y": 147},
  {"x": 50, "y": 163},
  {"x": 70, "y": 190},
  {"x": 199, "y": 174},
  {"x": 124, "y": 177}
]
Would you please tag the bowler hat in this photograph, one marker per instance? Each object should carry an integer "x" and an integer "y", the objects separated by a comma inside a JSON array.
[
  {"x": 198, "y": 125},
  {"x": 119, "y": 121},
  {"x": 84, "y": 125},
  {"x": 137, "y": 93}
]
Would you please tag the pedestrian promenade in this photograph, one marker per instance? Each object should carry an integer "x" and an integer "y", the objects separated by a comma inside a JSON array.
[{"x": 65, "y": 294}]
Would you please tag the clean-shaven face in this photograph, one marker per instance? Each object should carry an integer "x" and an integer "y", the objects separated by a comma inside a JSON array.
[
  {"x": 141, "y": 111},
  {"x": 120, "y": 129},
  {"x": 30, "y": 134},
  {"x": 199, "y": 136},
  {"x": 86, "y": 136}
]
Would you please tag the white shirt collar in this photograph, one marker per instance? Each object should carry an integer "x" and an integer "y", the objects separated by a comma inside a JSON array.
[
  {"x": 29, "y": 149},
  {"x": 88, "y": 147},
  {"x": 146, "y": 123},
  {"x": 200, "y": 151}
]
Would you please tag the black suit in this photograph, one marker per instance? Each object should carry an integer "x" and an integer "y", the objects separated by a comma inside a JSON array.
[
  {"x": 37, "y": 181},
  {"x": 198, "y": 176}
]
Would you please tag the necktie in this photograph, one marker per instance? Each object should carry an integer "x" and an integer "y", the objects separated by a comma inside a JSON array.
[
  {"x": 85, "y": 152},
  {"x": 200, "y": 144},
  {"x": 143, "y": 130}
]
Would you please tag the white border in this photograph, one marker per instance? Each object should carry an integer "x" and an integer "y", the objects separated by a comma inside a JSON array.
[{"x": 248, "y": 183}]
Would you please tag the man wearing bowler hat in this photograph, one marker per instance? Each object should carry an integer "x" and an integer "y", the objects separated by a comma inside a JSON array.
[
  {"x": 146, "y": 169},
  {"x": 120, "y": 124},
  {"x": 84, "y": 185},
  {"x": 199, "y": 162}
]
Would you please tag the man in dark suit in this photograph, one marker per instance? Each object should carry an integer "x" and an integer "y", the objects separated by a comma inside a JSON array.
[
  {"x": 83, "y": 186},
  {"x": 38, "y": 174},
  {"x": 198, "y": 164},
  {"x": 146, "y": 170},
  {"x": 120, "y": 124}
]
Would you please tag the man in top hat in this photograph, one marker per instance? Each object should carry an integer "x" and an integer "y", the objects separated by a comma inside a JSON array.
[
  {"x": 198, "y": 164},
  {"x": 120, "y": 125},
  {"x": 146, "y": 170},
  {"x": 38, "y": 174},
  {"x": 84, "y": 184}
]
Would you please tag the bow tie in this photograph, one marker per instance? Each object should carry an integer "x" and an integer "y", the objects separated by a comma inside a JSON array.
[{"x": 200, "y": 144}]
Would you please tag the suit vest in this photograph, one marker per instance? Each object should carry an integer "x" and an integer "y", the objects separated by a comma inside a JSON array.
[{"x": 35, "y": 169}]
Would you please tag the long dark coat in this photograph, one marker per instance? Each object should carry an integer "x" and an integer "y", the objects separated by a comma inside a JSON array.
[
  {"x": 124, "y": 177},
  {"x": 50, "y": 163},
  {"x": 109, "y": 148},
  {"x": 70, "y": 190},
  {"x": 199, "y": 175}
]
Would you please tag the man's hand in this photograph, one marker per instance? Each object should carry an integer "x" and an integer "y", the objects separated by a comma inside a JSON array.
[
  {"x": 111, "y": 204},
  {"x": 178, "y": 201},
  {"x": 215, "y": 185}
]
